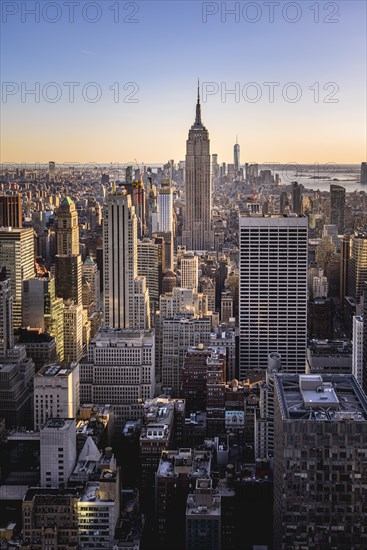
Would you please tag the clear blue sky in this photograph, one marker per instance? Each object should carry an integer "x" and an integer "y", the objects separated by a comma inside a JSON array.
[{"x": 164, "y": 52}]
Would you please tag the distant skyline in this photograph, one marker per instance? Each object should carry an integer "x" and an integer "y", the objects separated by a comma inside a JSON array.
[{"x": 163, "y": 53}]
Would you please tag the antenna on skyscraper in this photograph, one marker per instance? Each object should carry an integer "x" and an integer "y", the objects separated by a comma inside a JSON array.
[{"x": 198, "y": 111}]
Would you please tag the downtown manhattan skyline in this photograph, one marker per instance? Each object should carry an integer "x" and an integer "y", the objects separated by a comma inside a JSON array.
[{"x": 120, "y": 87}]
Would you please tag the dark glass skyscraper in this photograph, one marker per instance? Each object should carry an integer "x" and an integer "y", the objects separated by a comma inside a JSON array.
[
  {"x": 320, "y": 453},
  {"x": 337, "y": 207},
  {"x": 296, "y": 198},
  {"x": 364, "y": 173}
]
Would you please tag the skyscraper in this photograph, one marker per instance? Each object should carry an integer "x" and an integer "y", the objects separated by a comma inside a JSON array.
[
  {"x": 264, "y": 419},
  {"x": 16, "y": 375},
  {"x": 364, "y": 339},
  {"x": 337, "y": 207},
  {"x": 180, "y": 332},
  {"x": 56, "y": 393},
  {"x": 51, "y": 170},
  {"x": 41, "y": 309},
  {"x": 122, "y": 305},
  {"x": 165, "y": 206},
  {"x": 120, "y": 260},
  {"x": 319, "y": 462},
  {"x": 152, "y": 207},
  {"x": 226, "y": 306},
  {"x": 120, "y": 370},
  {"x": 344, "y": 267},
  {"x": 166, "y": 238},
  {"x": 296, "y": 197},
  {"x": 67, "y": 228},
  {"x": 283, "y": 202},
  {"x": 11, "y": 211},
  {"x": 273, "y": 291},
  {"x": 190, "y": 271},
  {"x": 6, "y": 314},
  {"x": 68, "y": 271},
  {"x": 357, "y": 264},
  {"x": 91, "y": 273},
  {"x": 357, "y": 348},
  {"x": 58, "y": 440},
  {"x": 197, "y": 233},
  {"x": 137, "y": 193},
  {"x": 68, "y": 262},
  {"x": 236, "y": 158},
  {"x": 17, "y": 256},
  {"x": 150, "y": 267},
  {"x": 215, "y": 166},
  {"x": 141, "y": 304},
  {"x": 364, "y": 173},
  {"x": 73, "y": 331}
]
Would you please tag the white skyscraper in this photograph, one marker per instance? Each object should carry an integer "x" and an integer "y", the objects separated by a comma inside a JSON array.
[
  {"x": 273, "y": 291},
  {"x": 357, "y": 348},
  {"x": 56, "y": 393},
  {"x": 190, "y": 271},
  {"x": 17, "y": 256},
  {"x": 58, "y": 451},
  {"x": 120, "y": 249},
  {"x": 120, "y": 260},
  {"x": 165, "y": 206}
]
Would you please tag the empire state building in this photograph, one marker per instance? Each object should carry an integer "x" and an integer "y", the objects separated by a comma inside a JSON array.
[{"x": 197, "y": 233}]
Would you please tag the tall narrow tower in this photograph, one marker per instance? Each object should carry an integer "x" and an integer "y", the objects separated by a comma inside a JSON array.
[
  {"x": 126, "y": 296},
  {"x": 120, "y": 260},
  {"x": 337, "y": 206},
  {"x": 6, "y": 314},
  {"x": 68, "y": 261},
  {"x": 364, "y": 173},
  {"x": 357, "y": 271},
  {"x": 236, "y": 157},
  {"x": 296, "y": 198},
  {"x": 165, "y": 206},
  {"x": 197, "y": 233},
  {"x": 67, "y": 228}
]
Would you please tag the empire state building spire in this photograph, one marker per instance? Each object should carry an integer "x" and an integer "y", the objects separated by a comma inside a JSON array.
[{"x": 198, "y": 109}]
